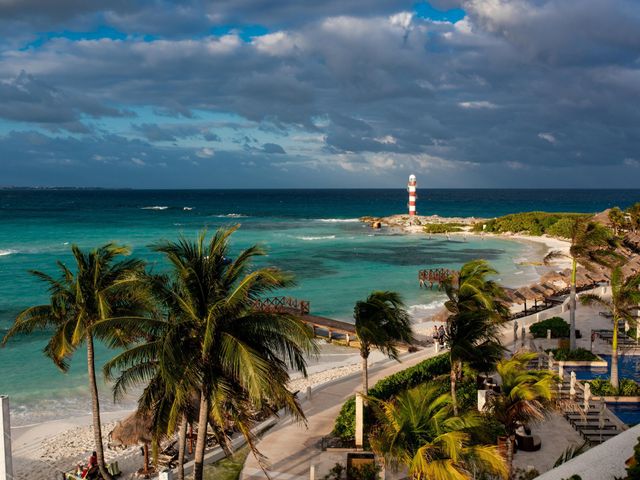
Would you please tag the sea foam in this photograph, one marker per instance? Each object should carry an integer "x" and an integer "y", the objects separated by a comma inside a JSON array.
[
  {"x": 339, "y": 220},
  {"x": 232, "y": 215},
  {"x": 9, "y": 251},
  {"x": 155, "y": 207},
  {"x": 322, "y": 237}
]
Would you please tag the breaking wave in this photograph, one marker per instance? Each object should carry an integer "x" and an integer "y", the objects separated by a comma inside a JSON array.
[
  {"x": 339, "y": 220},
  {"x": 322, "y": 237},
  {"x": 9, "y": 251},
  {"x": 155, "y": 207},
  {"x": 232, "y": 215}
]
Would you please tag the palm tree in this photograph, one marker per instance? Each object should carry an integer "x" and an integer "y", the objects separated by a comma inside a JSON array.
[
  {"x": 625, "y": 296},
  {"x": 99, "y": 300},
  {"x": 634, "y": 213},
  {"x": 163, "y": 363},
  {"x": 617, "y": 219},
  {"x": 590, "y": 243},
  {"x": 381, "y": 322},
  {"x": 476, "y": 311},
  {"x": 526, "y": 396},
  {"x": 242, "y": 355},
  {"x": 418, "y": 429}
]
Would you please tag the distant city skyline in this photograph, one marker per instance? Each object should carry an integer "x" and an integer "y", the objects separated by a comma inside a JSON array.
[{"x": 256, "y": 94}]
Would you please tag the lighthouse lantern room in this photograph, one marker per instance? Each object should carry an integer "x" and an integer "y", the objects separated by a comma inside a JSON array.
[{"x": 411, "y": 188}]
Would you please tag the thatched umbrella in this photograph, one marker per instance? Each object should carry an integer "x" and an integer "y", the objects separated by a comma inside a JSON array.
[
  {"x": 554, "y": 278},
  {"x": 527, "y": 294},
  {"x": 512, "y": 296},
  {"x": 136, "y": 429}
]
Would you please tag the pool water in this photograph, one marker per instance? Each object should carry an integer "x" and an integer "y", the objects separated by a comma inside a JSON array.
[
  {"x": 629, "y": 413},
  {"x": 628, "y": 367}
]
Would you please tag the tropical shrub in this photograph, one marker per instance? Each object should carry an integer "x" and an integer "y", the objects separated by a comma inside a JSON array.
[
  {"x": 558, "y": 326},
  {"x": 603, "y": 387},
  {"x": 532, "y": 223},
  {"x": 579, "y": 354},
  {"x": 633, "y": 471},
  {"x": 345, "y": 425},
  {"x": 443, "y": 227}
]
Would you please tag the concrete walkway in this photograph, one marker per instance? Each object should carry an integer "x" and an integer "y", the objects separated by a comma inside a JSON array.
[{"x": 290, "y": 447}]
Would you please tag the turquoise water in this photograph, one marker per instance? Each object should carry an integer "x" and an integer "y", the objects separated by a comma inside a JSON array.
[{"x": 314, "y": 234}]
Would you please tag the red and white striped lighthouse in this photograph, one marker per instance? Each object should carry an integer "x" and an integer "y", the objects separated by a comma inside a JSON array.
[{"x": 411, "y": 188}]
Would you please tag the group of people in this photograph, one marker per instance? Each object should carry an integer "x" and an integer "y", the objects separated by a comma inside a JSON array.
[{"x": 439, "y": 335}]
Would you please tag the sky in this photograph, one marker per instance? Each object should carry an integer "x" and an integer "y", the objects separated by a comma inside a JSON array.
[{"x": 333, "y": 93}]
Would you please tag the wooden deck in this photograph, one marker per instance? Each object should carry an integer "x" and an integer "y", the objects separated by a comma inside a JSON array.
[{"x": 301, "y": 308}]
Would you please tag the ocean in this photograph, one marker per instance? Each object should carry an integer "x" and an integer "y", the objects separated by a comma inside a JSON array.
[{"x": 313, "y": 233}]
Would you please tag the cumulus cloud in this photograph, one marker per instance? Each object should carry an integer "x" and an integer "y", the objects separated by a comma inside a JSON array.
[{"x": 373, "y": 85}]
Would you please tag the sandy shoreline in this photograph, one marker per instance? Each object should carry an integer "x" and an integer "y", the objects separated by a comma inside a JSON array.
[{"x": 41, "y": 451}]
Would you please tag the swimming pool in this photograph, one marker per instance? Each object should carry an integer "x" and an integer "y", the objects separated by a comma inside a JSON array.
[
  {"x": 629, "y": 413},
  {"x": 628, "y": 367}
]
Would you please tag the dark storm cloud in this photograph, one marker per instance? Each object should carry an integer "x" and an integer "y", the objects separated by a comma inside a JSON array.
[
  {"x": 27, "y": 99},
  {"x": 518, "y": 87},
  {"x": 273, "y": 148}
]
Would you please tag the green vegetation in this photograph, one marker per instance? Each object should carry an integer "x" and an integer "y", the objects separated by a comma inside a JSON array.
[
  {"x": 633, "y": 471},
  {"x": 381, "y": 322},
  {"x": 625, "y": 297},
  {"x": 386, "y": 388},
  {"x": 419, "y": 429},
  {"x": 526, "y": 396},
  {"x": 193, "y": 333},
  {"x": 579, "y": 354},
  {"x": 590, "y": 243},
  {"x": 89, "y": 304},
  {"x": 558, "y": 326},
  {"x": 627, "y": 388},
  {"x": 228, "y": 468},
  {"x": 476, "y": 311},
  {"x": 443, "y": 227},
  {"x": 532, "y": 223}
]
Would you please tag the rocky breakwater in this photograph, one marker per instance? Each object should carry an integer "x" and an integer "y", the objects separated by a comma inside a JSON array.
[{"x": 422, "y": 222}]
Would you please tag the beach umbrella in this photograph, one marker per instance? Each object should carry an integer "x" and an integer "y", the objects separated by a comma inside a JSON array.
[
  {"x": 587, "y": 396},
  {"x": 136, "y": 429},
  {"x": 554, "y": 277}
]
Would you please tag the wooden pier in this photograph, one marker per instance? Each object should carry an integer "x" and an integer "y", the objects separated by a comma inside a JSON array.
[{"x": 301, "y": 309}]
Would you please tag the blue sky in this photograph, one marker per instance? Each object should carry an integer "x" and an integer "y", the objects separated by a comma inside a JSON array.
[{"x": 464, "y": 93}]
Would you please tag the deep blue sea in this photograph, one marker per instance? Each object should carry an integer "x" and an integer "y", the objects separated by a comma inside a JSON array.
[{"x": 313, "y": 233}]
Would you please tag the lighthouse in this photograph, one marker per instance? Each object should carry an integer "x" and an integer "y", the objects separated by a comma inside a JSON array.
[{"x": 411, "y": 188}]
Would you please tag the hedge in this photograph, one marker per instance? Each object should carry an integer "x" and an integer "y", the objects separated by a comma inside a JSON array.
[
  {"x": 602, "y": 386},
  {"x": 559, "y": 328},
  {"x": 577, "y": 354},
  {"x": 345, "y": 426},
  {"x": 443, "y": 227}
]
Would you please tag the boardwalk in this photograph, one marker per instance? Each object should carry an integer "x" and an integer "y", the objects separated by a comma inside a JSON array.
[{"x": 301, "y": 308}]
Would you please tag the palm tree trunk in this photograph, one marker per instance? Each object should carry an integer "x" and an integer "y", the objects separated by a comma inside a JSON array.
[
  {"x": 365, "y": 375},
  {"x": 95, "y": 408},
  {"x": 182, "y": 445},
  {"x": 454, "y": 378},
  {"x": 572, "y": 306},
  {"x": 201, "y": 440},
  {"x": 510, "y": 443},
  {"x": 615, "y": 383}
]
